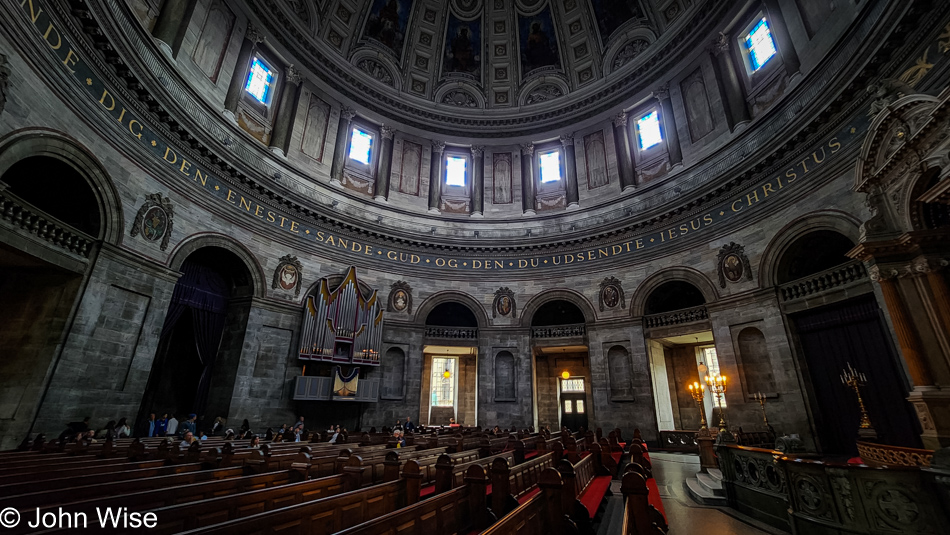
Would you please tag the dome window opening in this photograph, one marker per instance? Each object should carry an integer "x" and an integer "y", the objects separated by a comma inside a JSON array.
[
  {"x": 760, "y": 45},
  {"x": 648, "y": 130},
  {"x": 550, "y": 166},
  {"x": 361, "y": 146},
  {"x": 260, "y": 80},
  {"x": 455, "y": 169}
]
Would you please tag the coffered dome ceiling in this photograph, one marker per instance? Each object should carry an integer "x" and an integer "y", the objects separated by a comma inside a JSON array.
[{"x": 518, "y": 65}]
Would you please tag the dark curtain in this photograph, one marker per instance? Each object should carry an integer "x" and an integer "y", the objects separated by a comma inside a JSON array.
[
  {"x": 205, "y": 293},
  {"x": 853, "y": 332}
]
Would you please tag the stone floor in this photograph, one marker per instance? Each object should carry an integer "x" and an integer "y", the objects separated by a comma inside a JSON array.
[{"x": 685, "y": 516}]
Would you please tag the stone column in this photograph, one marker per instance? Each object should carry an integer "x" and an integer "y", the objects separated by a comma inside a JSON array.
[
  {"x": 478, "y": 181},
  {"x": 570, "y": 170},
  {"x": 733, "y": 96},
  {"x": 252, "y": 37},
  {"x": 933, "y": 269},
  {"x": 339, "y": 150},
  {"x": 384, "y": 170},
  {"x": 284, "y": 124},
  {"x": 624, "y": 159},
  {"x": 907, "y": 337},
  {"x": 435, "y": 176},
  {"x": 786, "y": 48},
  {"x": 528, "y": 190},
  {"x": 171, "y": 24},
  {"x": 662, "y": 95}
]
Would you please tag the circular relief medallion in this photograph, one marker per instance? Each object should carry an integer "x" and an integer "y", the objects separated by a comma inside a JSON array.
[
  {"x": 400, "y": 300},
  {"x": 732, "y": 268},
  {"x": 504, "y": 305},
  {"x": 611, "y": 296},
  {"x": 154, "y": 224},
  {"x": 288, "y": 277}
]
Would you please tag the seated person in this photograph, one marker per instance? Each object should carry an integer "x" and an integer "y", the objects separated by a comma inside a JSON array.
[
  {"x": 335, "y": 436},
  {"x": 186, "y": 440},
  {"x": 255, "y": 443},
  {"x": 452, "y": 423},
  {"x": 400, "y": 440}
]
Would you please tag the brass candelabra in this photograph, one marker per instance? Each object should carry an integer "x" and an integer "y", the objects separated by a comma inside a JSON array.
[
  {"x": 760, "y": 397},
  {"x": 717, "y": 384},
  {"x": 698, "y": 391},
  {"x": 856, "y": 380}
]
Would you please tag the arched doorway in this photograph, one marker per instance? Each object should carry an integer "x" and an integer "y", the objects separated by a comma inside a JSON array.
[
  {"x": 43, "y": 266},
  {"x": 562, "y": 364},
  {"x": 841, "y": 330},
  {"x": 450, "y": 364},
  {"x": 205, "y": 305}
]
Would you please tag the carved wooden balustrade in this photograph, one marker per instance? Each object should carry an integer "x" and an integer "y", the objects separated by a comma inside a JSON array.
[
  {"x": 676, "y": 440},
  {"x": 452, "y": 333},
  {"x": 884, "y": 455},
  {"x": 676, "y": 317},
  {"x": 559, "y": 331},
  {"x": 836, "y": 277},
  {"x": 33, "y": 220}
]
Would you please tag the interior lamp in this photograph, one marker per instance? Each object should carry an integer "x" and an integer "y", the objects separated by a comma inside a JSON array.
[
  {"x": 565, "y": 374},
  {"x": 446, "y": 374}
]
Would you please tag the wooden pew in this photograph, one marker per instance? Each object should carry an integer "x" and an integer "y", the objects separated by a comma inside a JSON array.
[
  {"x": 639, "y": 516},
  {"x": 584, "y": 491},
  {"x": 450, "y": 475},
  {"x": 321, "y": 516},
  {"x": 509, "y": 484},
  {"x": 90, "y": 470},
  {"x": 24, "y": 487},
  {"x": 488, "y": 446},
  {"x": 540, "y": 515}
]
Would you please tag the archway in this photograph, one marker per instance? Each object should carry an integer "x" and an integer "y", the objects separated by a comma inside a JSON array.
[
  {"x": 188, "y": 374},
  {"x": 450, "y": 363},
  {"x": 562, "y": 362},
  {"x": 41, "y": 278},
  {"x": 813, "y": 253}
]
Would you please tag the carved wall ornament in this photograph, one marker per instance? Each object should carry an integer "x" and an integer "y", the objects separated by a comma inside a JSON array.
[
  {"x": 4, "y": 81},
  {"x": 400, "y": 298},
  {"x": 611, "y": 294},
  {"x": 154, "y": 219},
  {"x": 543, "y": 93},
  {"x": 504, "y": 303},
  {"x": 254, "y": 34},
  {"x": 662, "y": 92},
  {"x": 720, "y": 44},
  {"x": 733, "y": 264},
  {"x": 884, "y": 92},
  {"x": 376, "y": 70},
  {"x": 629, "y": 51},
  {"x": 527, "y": 149},
  {"x": 288, "y": 274},
  {"x": 620, "y": 119},
  {"x": 459, "y": 98},
  {"x": 438, "y": 147},
  {"x": 294, "y": 76}
]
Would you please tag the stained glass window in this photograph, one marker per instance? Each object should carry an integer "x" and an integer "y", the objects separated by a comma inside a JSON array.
[
  {"x": 550, "y": 166},
  {"x": 443, "y": 388},
  {"x": 648, "y": 130},
  {"x": 260, "y": 78},
  {"x": 760, "y": 44},
  {"x": 455, "y": 170},
  {"x": 361, "y": 146}
]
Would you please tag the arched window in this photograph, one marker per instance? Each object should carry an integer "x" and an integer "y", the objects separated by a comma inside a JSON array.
[
  {"x": 673, "y": 295},
  {"x": 451, "y": 314},
  {"x": 504, "y": 376},
  {"x": 620, "y": 374},
  {"x": 393, "y": 369},
  {"x": 557, "y": 313},
  {"x": 813, "y": 253}
]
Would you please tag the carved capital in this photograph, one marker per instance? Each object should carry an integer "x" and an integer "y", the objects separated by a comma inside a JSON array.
[
  {"x": 347, "y": 113},
  {"x": 293, "y": 75},
  {"x": 567, "y": 139},
  {"x": 929, "y": 265},
  {"x": 438, "y": 147},
  {"x": 386, "y": 131},
  {"x": 620, "y": 119},
  {"x": 720, "y": 44},
  {"x": 877, "y": 274},
  {"x": 478, "y": 151},
  {"x": 254, "y": 34},
  {"x": 662, "y": 92},
  {"x": 527, "y": 149}
]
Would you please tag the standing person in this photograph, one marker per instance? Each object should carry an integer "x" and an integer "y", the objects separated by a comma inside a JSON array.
[
  {"x": 189, "y": 425},
  {"x": 148, "y": 427},
  {"x": 409, "y": 427},
  {"x": 172, "y": 428},
  {"x": 299, "y": 424},
  {"x": 298, "y": 433},
  {"x": 161, "y": 425},
  {"x": 219, "y": 423}
]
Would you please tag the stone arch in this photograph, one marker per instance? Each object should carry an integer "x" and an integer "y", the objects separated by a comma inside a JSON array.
[
  {"x": 463, "y": 87},
  {"x": 191, "y": 244},
  {"x": 616, "y": 46},
  {"x": 545, "y": 79},
  {"x": 680, "y": 273},
  {"x": 447, "y": 296},
  {"x": 571, "y": 296},
  {"x": 383, "y": 65},
  {"x": 833, "y": 220},
  {"x": 50, "y": 143}
]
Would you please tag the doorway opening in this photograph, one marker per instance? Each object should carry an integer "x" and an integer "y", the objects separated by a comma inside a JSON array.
[
  {"x": 450, "y": 364},
  {"x": 573, "y": 403},
  {"x": 560, "y": 348}
]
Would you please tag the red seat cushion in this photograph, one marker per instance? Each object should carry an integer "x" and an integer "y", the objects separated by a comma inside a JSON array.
[
  {"x": 528, "y": 495},
  {"x": 488, "y": 489},
  {"x": 594, "y": 494},
  {"x": 530, "y": 454},
  {"x": 616, "y": 455},
  {"x": 426, "y": 491},
  {"x": 583, "y": 454},
  {"x": 654, "y": 496}
]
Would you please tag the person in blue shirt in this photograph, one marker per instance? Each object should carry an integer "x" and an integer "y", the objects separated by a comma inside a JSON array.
[{"x": 409, "y": 427}]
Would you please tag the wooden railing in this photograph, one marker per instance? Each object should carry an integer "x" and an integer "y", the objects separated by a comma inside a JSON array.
[
  {"x": 676, "y": 317},
  {"x": 836, "y": 277},
  {"x": 559, "y": 331},
  {"x": 35, "y": 221},
  {"x": 452, "y": 333},
  {"x": 884, "y": 455}
]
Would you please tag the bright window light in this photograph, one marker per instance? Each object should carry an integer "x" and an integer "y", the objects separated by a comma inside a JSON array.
[
  {"x": 361, "y": 146},
  {"x": 760, "y": 44},
  {"x": 455, "y": 170},
  {"x": 551, "y": 167},
  {"x": 648, "y": 129},
  {"x": 259, "y": 81}
]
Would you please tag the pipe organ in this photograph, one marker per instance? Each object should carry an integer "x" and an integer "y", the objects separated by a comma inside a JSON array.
[{"x": 342, "y": 325}]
